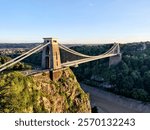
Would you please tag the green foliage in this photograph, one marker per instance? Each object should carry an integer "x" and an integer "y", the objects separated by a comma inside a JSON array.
[
  {"x": 129, "y": 78},
  {"x": 18, "y": 66},
  {"x": 34, "y": 60},
  {"x": 17, "y": 93},
  {"x": 146, "y": 80},
  {"x": 140, "y": 94}
]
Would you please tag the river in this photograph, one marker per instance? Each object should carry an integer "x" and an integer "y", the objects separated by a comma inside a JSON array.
[{"x": 107, "y": 102}]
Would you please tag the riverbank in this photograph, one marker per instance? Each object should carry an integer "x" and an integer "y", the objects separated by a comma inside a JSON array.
[{"x": 107, "y": 102}]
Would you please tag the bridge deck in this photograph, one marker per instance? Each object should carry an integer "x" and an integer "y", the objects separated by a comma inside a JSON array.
[
  {"x": 77, "y": 62},
  {"x": 86, "y": 58}
]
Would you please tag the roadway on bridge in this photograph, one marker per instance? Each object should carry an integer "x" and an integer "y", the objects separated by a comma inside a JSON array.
[{"x": 105, "y": 101}]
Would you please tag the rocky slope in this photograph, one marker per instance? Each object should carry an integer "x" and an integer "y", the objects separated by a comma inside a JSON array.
[{"x": 19, "y": 93}]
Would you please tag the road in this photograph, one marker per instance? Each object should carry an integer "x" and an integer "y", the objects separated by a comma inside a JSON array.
[{"x": 105, "y": 102}]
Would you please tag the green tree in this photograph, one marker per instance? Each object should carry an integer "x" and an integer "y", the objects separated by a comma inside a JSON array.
[
  {"x": 137, "y": 79},
  {"x": 146, "y": 80}
]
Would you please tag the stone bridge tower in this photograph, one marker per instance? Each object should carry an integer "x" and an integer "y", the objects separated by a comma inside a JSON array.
[
  {"x": 114, "y": 60},
  {"x": 51, "y": 55},
  {"x": 51, "y": 58}
]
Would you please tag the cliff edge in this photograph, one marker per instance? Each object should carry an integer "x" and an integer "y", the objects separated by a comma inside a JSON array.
[{"x": 19, "y": 93}]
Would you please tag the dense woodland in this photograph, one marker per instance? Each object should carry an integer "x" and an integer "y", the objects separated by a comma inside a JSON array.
[{"x": 130, "y": 78}]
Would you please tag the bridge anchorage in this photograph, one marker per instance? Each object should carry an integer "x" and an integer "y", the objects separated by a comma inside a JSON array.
[{"x": 52, "y": 62}]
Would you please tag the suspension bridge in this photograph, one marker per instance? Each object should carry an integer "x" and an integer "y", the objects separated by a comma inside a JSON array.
[{"x": 51, "y": 57}]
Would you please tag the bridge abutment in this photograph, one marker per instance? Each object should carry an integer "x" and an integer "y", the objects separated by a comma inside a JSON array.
[{"x": 114, "y": 60}]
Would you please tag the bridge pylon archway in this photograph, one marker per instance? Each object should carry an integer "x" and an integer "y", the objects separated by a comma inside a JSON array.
[
  {"x": 51, "y": 55},
  {"x": 51, "y": 58}
]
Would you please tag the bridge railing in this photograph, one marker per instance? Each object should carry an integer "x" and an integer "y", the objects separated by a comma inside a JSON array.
[
  {"x": 21, "y": 57},
  {"x": 85, "y": 58}
]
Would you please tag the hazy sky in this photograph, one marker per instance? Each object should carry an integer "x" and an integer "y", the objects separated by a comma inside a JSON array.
[{"x": 75, "y": 20}]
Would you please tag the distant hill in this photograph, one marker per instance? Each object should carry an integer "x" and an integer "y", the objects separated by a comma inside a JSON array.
[
  {"x": 31, "y": 45},
  {"x": 18, "y": 45}
]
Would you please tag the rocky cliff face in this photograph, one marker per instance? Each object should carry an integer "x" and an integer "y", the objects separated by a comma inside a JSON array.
[{"x": 38, "y": 93}]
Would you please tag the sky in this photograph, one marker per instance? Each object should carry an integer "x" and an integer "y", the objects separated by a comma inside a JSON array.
[{"x": 75, "y": 21}]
